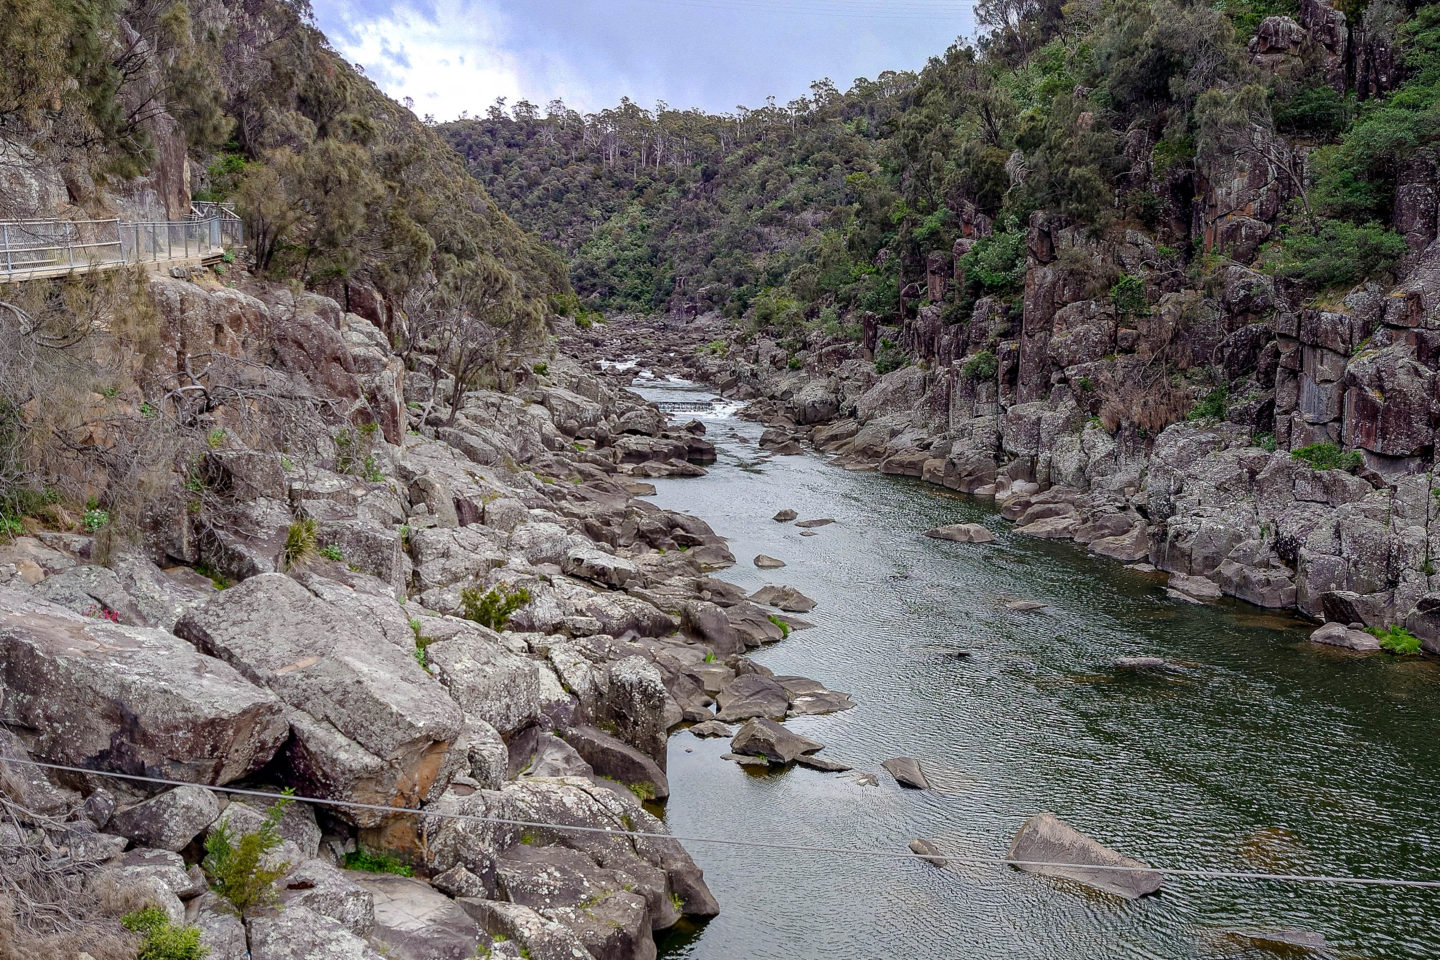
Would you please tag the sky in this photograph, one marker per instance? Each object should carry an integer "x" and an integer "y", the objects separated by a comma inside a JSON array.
[{"x": 452, "y": 56}]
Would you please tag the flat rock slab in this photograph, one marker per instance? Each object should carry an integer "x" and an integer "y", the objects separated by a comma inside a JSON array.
[
  {"x": 962, "y": 533},
  {"x": 907, "y": 772},
  {"x": 1283, "y": 943},
  {"x": 745, "y": 761},
  {"x": 1045, "y": 840},
  {"x": 1339, "y": 635},
  {"x": 773, "y": 741},
  {"x": 1025, "y": 606},
  {"x": 768, "y": 563},
  {"x": 1194, "y": 588},
  {"x": 712, "y": 728},
  {"x": 823, "y": 765},
  {"x": 810, "y": 524},
  {"x": 783, "y": 598}
]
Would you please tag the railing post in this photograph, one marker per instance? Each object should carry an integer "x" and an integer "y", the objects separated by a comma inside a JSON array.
[
  {"x": 5, "y": 239},
  {"x": 70, "y": 245}
]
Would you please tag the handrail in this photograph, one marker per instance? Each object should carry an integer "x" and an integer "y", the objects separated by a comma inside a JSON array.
[{"x": 32, "y": 249}]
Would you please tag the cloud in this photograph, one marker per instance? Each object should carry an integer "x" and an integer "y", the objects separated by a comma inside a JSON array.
[{"x": 454, "y": 56}]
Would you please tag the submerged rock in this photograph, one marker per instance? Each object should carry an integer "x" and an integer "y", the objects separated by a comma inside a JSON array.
[
  {"x": 962, "y": 533},
  {"x": 926, "y": 851},
  {"x": 1283, "y": 943},
  {"x": 1147, "y": 665},
  {"x": 907, "y": 772},
  {"x": 1047, "y": 845},
  {"x": 810, "y": 524}
]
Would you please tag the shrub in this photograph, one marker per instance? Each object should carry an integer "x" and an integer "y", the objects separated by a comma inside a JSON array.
[
  {"x": 997, "y": 262},
  {"x": 332, "y": 552},
  {"x": 95, "y": 518},
  {"x": 216, "y": 438},
  {"x": 1214, "y": 407},
  {"x": 981, "y": 367},
  {"x": 300, "y": 543},
  {"x": 1336, "y": 253},
  {"x": 1265, "y": 441},
  {"x": 1396, "y": 639},
  {"x": 372, "y": 862},
  {"x": 1327, "y": 456},
  {"x": 236, "y": 867},
  {"x": 161, "y": 939},
  {"x": 1128, "y": 295},
  {"x": 541, "y": 369},
  {"x": 494, "y": 608},
  {"x": 889, "y": 357}
]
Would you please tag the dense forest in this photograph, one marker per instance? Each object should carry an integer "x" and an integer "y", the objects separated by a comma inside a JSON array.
[{"x": 1113, "y": 114}]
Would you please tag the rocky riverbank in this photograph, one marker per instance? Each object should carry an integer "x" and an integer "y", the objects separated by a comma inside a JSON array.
[
  {"x": 478, "y": 616},
  {"x": 1207, "y": 500}
]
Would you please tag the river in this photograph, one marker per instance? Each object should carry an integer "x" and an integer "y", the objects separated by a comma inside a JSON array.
[{"x": 1268, "y": 754}]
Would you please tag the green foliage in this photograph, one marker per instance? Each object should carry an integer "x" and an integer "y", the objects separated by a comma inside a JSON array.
[
  {"x": 95, "y": 519},
  {"x": 541, "y": 369},
  {"x": 1396, "y": 639},
  {"x": 889, "y": 357},
  {"x": 236, "y": 866},
  {"x": 1336, "y": 253},
  {"x": 377, "y": 862},
  {"x": 982, "y": 367},
  {"x": 300, "y": 543},
  {"x": 215, "y": 438},
  {"x": 997, "y": 262},
  {"x": 333, "y": 553},
  {"x": 1128, "y": 295},
  {"x": 1327, "y": 456},
  {"x": 1215, "y": 405},
  {"x": 1265, "y": 441},
  {"x": 784, "y": 627},
  {"x": 494, "y": 608},
  {"x": 161, "y": 939}
]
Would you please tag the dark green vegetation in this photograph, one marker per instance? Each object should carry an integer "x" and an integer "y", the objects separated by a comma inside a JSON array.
[
  {"x": 1328, "y": 456},
  {"x": 1108, "y": 113},
  {"x": 237, "y": 867},
  {"x": 161, "y": 939},
  {"x": 373, "y": 862},
  {"x": 493, "y": 608},
  {"x": 1396, "y": 639}
]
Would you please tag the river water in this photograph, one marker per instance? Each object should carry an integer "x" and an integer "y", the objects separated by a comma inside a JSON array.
[{"x": 1268, "y": 754}]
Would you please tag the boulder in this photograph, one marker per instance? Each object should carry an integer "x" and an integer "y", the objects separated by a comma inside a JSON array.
[
  {"x": 1194, "y": 588},
  {"x": 489, "y": 682},
  {"x": 811, "y": 524},
  {"x": 785, "y": 516},
  {"x": 331, "y": 892},
  {"x": 413, "y": 921},
  {"x": 540, "y": 938},
  {"x": 1045, "y": 840},
  {"x": 783, "y": 598},
  {"x": 711, "y": 728},
  {"x": 101, "y": 695},
  {"x": 750, "y": 696},
  {"x": 1339, "y": 635},
  {"x": 222, "y": 932},
  {"x": 962, "y": 533},
  {"x": 168, "y": 821},
  {"x": 907, "y": 772},
  {"x": 773, "y": 741},
  {"x": 768, "y": 563},
  {"x": 593, "y": 564},
  {"x": 369, "y": 723},
  {"x": 616, "y": 760},
  {"x": 822, "y": 765},
  {"x": 298, "y": 933},
  {"x": 607, "y": 909}
]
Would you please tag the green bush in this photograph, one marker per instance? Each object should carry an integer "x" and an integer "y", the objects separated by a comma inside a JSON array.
[
  {"x": 1336, "y": 253},
  {"x": 236, "y": 866},
  {"x": 1128, "y": 295},
  {"x": 95, "y": 519},
  {"x": 997, "y": 262},
  {"x": 1327, "y": 456},
  {"x": 1396, "y": 639},
  {"x": 494, "y": 608},
  {"x": 889, "y": 357},
  {"x": 372, "y": 862},
  {"x": 784, "y": 627},
  {"x": 332, "y": 552},
  {"x": 1214, "y": 407},
  {"x": 982, "y": 367},
  {"x": 300, "y": 543},
  {"x": 161, "y": 939}
]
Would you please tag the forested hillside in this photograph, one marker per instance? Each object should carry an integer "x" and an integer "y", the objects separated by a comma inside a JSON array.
[{"x": 1113, "y": 115}]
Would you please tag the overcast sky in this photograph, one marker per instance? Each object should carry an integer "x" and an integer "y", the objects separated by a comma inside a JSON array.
[{"x": 458, "y": 55}]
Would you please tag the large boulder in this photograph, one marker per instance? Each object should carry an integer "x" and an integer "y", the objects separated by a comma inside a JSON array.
[
  {"x": 298, "y": 933},
  {"x": 773, "y": 741},
  {"x": 96, "y": 694},
  {"x": 962, "y": 533},
  {"x": 485, "y": 678},
  {"x": 1047, "y": 845},
  {"x": 331, "y": 892},
  {"x": 168, "y": 821},
  {"x": 783, "y": 598},
  {"x": 413, "y": 921},
  {"x": 617, "y": 760},
  {"x": 369, "y": 723}
]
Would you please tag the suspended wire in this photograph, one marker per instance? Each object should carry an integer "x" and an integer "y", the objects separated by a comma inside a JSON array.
[
  {"x": 862, "y": 10},
  {"x": 1325, "y": 879}
]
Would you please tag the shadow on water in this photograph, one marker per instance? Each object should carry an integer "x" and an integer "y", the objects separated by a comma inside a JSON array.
[{"x": 1259, "y": 750}]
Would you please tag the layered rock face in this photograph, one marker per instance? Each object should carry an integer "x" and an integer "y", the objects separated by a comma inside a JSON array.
[{"x": 343, "y": 641}]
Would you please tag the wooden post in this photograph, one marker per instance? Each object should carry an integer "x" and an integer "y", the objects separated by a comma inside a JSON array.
[{"x": 5, "y": 239}]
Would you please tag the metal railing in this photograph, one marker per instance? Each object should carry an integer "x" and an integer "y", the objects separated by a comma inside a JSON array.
[{"x": 32, "y": 249}]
